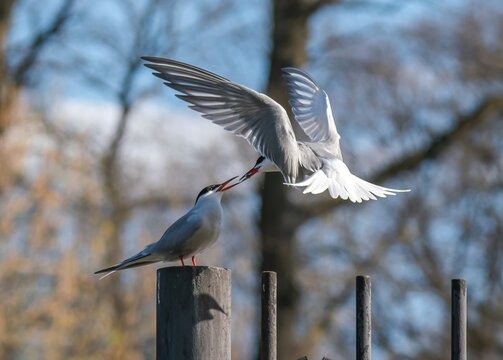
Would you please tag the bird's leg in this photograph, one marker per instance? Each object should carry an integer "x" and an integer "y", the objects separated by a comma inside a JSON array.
[
  {"x": 181, "y": 259},
  {"x": 194, "y": 261}
]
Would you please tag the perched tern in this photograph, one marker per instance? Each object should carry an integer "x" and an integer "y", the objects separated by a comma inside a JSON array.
[
  {"x": 194, "y": 232},
  {"x": 307, "y": 152}
]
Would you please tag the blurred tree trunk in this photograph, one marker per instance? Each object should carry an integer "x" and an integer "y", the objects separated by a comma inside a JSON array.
[
  {"x": 278, "y": 215},
  {"x": 7, "y": 89}
]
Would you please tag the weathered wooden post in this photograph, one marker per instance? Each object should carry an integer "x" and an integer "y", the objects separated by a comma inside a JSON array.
[
  {"x": 458, "y": 319},
  {"x": 363, "y": 318},
  {"x": 193, "y": 313},
  {"x": 268, "y": 349}
]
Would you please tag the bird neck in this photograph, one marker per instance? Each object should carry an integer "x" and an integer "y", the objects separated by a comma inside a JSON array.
[
  {"x": 209, "y": 200},
  {"x": 210, "y": 207}
]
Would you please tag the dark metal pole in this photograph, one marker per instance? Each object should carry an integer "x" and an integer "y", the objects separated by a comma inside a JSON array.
[
  {"x": 269, "y": 316},
  {"x": 193, "y": 313},
  {"x": 363, "y": 318},
  {"x": 458, "y": 319}
]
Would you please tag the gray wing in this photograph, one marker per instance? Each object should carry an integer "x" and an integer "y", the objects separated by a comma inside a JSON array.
[
  {"x": 310, "y": 106},
  {"x": 245, "y": 112},
  {"x": 177, "y": 234},
  {"x": 309, "y": 161}
]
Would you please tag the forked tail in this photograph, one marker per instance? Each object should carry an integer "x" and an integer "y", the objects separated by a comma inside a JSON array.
[
  {"x": 342, "y": 183},
  {"x": 137, "y": 260}
]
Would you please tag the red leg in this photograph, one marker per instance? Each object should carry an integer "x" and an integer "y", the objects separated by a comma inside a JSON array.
[
  {"x": 194, "y": 261},
  {"x": 181, "y": 259}
]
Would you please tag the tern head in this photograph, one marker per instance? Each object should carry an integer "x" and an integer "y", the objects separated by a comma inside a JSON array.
[
  {"x": 263, "y": 164},
  {"x": 216, "y": 189}
]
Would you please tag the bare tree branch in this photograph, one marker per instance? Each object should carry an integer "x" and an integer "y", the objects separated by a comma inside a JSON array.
[
  {"x": 7, "y": 90},
  {"x": 12, "y": 79},
  {"x": 314, "y": 6},
  {"x": 42, "y": 39},
  {"x": 386, "y": 7}
]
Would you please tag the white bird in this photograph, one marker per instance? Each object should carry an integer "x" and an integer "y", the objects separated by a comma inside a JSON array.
[
  {"x": 194, "y": 232},
  {"x": 306, "y": 151}
]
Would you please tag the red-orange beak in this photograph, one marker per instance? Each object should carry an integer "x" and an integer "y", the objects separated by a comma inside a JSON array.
[
  {"x": 222, "y": 187},
  {"x": 249, "y": 174}
]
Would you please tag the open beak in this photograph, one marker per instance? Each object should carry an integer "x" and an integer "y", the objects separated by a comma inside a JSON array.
[
  {"x": 249, "y": 174},
  {"x": 222, "y": 185}
]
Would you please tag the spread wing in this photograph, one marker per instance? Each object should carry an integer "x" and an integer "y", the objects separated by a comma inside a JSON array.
[
  {"x": 310, "y": 106},
  {"x": 245, "y": 112}
]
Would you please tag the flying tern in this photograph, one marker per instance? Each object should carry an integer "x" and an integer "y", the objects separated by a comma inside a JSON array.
[
  {"x": 305, "y": 151},
  {"x": 194, "y": 232}
]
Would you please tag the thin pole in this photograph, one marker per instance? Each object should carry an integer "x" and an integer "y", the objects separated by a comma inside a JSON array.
[
  {"x": 458, "y": 319},
  {"x": 193, "y": 313},
  {"x": 363, "y": 318},
  {"x": 269, "y": 316}
]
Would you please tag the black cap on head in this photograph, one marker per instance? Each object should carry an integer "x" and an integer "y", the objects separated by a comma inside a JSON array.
[{"x": 207, "y": 189}]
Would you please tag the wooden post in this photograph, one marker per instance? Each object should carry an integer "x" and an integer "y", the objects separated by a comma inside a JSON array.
[
  {"x": 363, "y": 318},
  {"x": 193, "y": 313},
  {"x": 268, "y": 349},
  {"x": 458, "y": 319}
]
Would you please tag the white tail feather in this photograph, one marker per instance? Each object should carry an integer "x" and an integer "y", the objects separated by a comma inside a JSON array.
[
  {"x": 142, "y": 258},
  {"x": 317, "y": 185},
  {"x": 341, "y": 183}
]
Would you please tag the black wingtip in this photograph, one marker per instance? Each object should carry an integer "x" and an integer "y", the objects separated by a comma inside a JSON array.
[
  {"x": 290, "y": 72},
  {"x": 155, "y": 61},
  {"x": 151, "y": 58},
  {"x": 161, "y": 60},
  {"x": 154, "y": 67},
  {"x": 287, "y": 73}
]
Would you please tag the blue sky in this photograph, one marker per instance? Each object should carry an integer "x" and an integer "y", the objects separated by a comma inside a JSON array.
[{"x": 236, "y": 47}]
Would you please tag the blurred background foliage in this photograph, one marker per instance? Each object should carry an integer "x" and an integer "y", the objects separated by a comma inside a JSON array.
[{"x": 98, "y": 158}]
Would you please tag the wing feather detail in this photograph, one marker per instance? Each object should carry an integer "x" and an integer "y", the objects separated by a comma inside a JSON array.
[
  {"x": 243, "y": 111},
  {"x": 310, "y": 106}
]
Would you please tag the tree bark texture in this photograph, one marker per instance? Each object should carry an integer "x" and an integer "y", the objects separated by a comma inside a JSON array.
[{"x": 193, "y": 313}]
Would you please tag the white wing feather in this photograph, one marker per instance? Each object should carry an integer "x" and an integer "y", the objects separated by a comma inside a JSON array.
[
  {"x": 310, "y": 106},
  {"x": 245, "y": 112}
]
